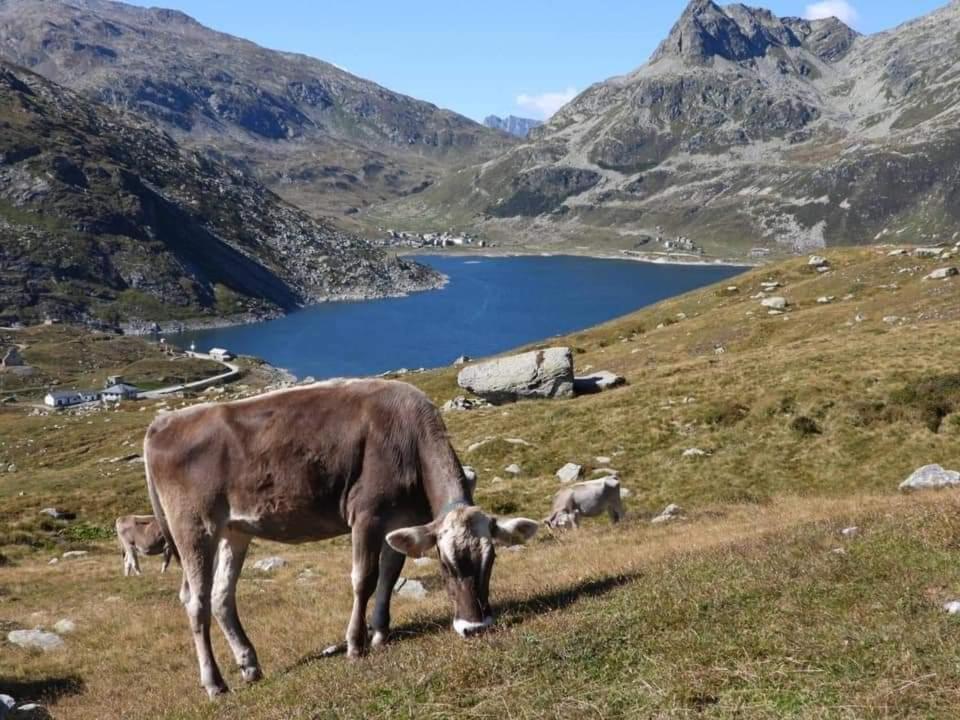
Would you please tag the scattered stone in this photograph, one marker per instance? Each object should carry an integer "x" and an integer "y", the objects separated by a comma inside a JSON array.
[
  {"x": 839, "y": 551},
  {"x": 462, "y": 360},
  {"x": 942, "y": 273},
  {"x": 774, "y": 303},
  {"x": 859, "y": 317},
  {"x": 538, "y": 374},
  {"x": 931, "y": 477},
  {"x": 597, "y": 382},
  {"x": 899, "y": 251},
  {"x": 35, "y": 639},
  {"x": 818, "y": 261},
  {"x": 850, "y": 532},
  {"x": 848, "y": 296},
  {"x": 513, "y": 469},
  {"x": 407, "y": 587},
  {"x": 12, "y": 468},
  {"x": 569, "y": 473},
  {"x": 952, "y": 607},
  {"x": 473, "y": 447},
  {"x": 768, "y": 285},
  {"x": 825, "y": 299},
  {"x": 58, "y": 514},
  {"x": 732, "y": 289},
  {"x": 65, "y": 626},
  {"x": 670, "y": 512},
  {"x": 464, "y": 403},
  {"x": 927, "y": 252},
  {"x": 694, "y": 452},
  {"x": 518, "y": 441},
  {"x": 624, "y": 492},
  {"x": 892, "y": 319},
  {"x": 269, "y": 564},
  {"x": 601, "y": 459},
  {"x": 74, "y": 554},
  {"x": 53, "y": 561}
]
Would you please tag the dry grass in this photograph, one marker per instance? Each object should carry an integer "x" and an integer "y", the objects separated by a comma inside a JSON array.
[{"x": 741, "y": 612}]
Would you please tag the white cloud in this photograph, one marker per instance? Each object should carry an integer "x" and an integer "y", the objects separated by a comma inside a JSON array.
[
  {"x": 839, "y": 9},
  {"x": 545, "y": 104}
]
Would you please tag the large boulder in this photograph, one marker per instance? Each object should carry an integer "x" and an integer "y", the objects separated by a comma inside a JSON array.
[
  {"x": 35, "y": 639},
  {"x": 538, "y": 374},
  {"x": 931, "y": 477}
]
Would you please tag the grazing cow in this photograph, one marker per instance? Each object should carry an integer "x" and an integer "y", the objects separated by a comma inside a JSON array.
[
  {"x": 586, "y": 499},
  {"x": 141, "y": 533},
  {"x": 366, "y": 457}
]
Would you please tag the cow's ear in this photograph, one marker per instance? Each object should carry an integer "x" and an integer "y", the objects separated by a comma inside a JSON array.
[
  {"x": 413, "y": 541},
  {"x": 514, "y": 531}
]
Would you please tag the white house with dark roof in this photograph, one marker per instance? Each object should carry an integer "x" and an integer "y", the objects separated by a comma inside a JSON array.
[
  {"x": 119, "y": 391},
  {"x": 69, "y": 398}
]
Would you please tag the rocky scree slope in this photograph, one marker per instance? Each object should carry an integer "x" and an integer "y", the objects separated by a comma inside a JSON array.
[
  {"x": 104, "y": 218},
  {"x": 319, "y": 136},
  {"x": 743, "y": 129}
]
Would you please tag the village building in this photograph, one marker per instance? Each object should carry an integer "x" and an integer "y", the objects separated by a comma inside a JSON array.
[
  {"x": 220, "y": 354},
  {"x": 120, "y": 391},
  {"x": 69, "y": 398}
]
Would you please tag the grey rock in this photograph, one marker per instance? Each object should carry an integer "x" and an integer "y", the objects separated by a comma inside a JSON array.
[
  {"x": 694, "y": 453},
  {"x": 931, "y": 477},
  {"x": 825, "y": 299},
  {"x": 410, "y": 588},
  {"x": 942, "y": 273},
  {"x": 597, "y": 382},
  {"x": 927, "y": 252},
  {"x": 952, "y": 607},
  {"x": 850, "y": 532},
  {"x": 670, "y": 513},
  {"x": 35, "y": 639},
  {"x": 601, "y": 459},
  {"x": 818, "y": 261},
  {"x": 269, "y": 564},
  {"x": 65, "y": 626},
  {"x": 57, "y": 514},
  {"x": 74, "y": 554},
  {"x": 538, "y": 374},
  {"x": 513, "y": 469},
  {"x": 569, "y": 473},
  {"x": 463, "y": 403},
  {"x": 775, "y": 303}
]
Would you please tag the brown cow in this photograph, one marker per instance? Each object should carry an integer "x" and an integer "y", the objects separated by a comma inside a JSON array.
[
  {"x": 141, "y": 533},
  {"x": 365, "y": 457}
]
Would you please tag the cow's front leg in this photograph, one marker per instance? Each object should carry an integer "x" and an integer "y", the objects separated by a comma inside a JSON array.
[
  {"x": 367, "y": 539},
  {"x": 391, "y": 564}
]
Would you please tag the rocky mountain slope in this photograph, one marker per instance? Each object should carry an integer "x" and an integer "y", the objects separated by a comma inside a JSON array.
[
  {"x": 512, "y": 124},
  {"x": 317, "y": 135},
  {"x": 743, "y": 130},
  {"x": 105, "y": 218}
]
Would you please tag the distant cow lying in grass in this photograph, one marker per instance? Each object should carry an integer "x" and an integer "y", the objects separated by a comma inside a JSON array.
[
  {"x": 366, "y": 457},
  {"x": 141, "y": 533},
  {"x": 586, "y": 499}
]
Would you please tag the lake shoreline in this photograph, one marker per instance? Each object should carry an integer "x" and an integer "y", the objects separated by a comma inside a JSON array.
[{"x": 649, "y": 258}]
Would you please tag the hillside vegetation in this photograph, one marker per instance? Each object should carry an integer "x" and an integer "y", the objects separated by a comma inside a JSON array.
[{"x": 755, "y": 606}]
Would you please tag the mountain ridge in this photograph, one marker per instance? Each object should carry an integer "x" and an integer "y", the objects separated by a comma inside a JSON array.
[
  {"x": 321, "y": 137},
  {"x": 742, "y": 131},
  {"x": 105, "y": 219}
]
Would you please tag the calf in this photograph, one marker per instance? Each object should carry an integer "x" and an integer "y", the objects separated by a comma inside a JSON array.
[
  {"x": 368, "y": 458},
  {"x": 586, "y": 499},
  {"x": 141, "y": 533}
]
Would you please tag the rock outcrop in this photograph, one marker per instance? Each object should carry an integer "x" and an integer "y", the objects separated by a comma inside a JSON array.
[{"x": 537, "y": 374}]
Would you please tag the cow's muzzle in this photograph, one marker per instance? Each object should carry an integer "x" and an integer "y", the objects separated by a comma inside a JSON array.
[{"x": 468, "y": 628}]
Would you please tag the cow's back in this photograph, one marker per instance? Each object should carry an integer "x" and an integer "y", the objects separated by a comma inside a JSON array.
[{"x": 293, "y": 465}]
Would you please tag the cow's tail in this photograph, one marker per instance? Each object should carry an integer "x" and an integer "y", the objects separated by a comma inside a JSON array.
[{"x": 158, "y": 511}]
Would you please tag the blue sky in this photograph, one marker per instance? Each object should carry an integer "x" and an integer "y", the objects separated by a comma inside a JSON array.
[{"x": 500, "y": 56}]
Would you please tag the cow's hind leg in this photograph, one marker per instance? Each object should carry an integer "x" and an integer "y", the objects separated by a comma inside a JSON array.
[
  {"x": 197, "y": 556},
  {"x": 367, "y": 541},
  {"x": 391, "y": 564},
  {"x": 230, "y": 556}
]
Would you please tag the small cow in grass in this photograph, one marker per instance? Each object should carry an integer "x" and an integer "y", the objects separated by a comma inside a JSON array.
[
  {"x": 586, "y": 499},
  {"x": 365, "y": 458},
  {"x": 141, "y": 533}
]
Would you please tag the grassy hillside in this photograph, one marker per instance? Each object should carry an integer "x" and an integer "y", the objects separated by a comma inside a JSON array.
[{"x": 810, "y": 419}]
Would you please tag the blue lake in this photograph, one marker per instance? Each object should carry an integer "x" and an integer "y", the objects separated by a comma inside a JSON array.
[{"x": 490, "y": 305}]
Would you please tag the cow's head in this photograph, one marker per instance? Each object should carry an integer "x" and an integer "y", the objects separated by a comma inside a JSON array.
[{"x": 465, "y": 539}]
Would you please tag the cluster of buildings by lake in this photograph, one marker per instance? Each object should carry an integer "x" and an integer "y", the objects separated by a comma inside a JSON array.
[{"x": 396, "y": 238}]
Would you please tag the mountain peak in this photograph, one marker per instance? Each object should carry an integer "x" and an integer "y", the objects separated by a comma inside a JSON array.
[{"x": 739, "y": 32}]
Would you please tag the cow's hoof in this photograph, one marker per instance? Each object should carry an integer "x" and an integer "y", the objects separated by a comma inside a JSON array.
[
  {"x": 251, "y": 674},
  {"x": 356, "y": 653},
  {"x": 379, "y": 639},
  {"x": 215, "y": 691}
]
